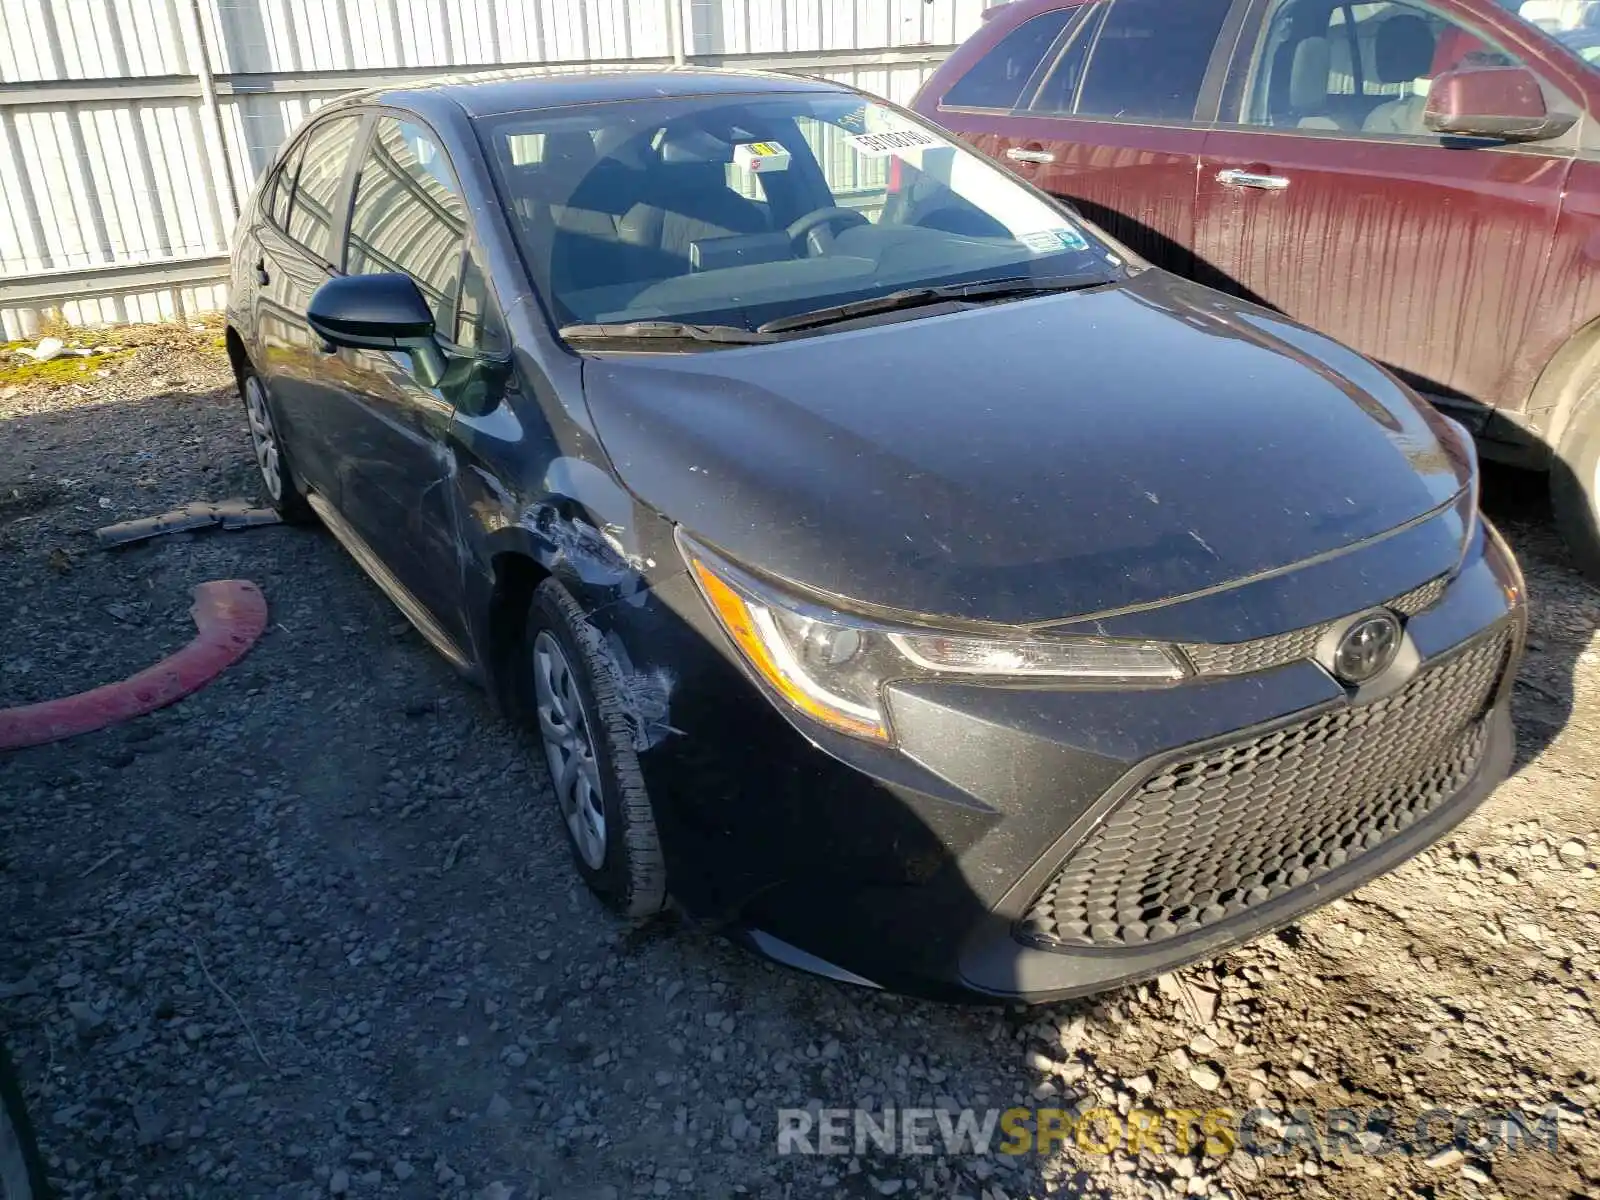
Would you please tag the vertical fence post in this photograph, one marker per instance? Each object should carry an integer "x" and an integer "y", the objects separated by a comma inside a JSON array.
[
  {"x": 675, "y": 30},
  {"x": 219, "y": 172}
]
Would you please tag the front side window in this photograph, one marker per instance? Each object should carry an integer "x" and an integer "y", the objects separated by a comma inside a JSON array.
[
  {"x": 740, "y": 210},
  {"x": 996, "y": 80},
  {"x": 409, "y": 216},
  {"x": 1575, "y": 24},
  {"x": 1357, "y": 68},
  {"x": 310, "y": 219},
  {"x": 1149, "y": 58}
]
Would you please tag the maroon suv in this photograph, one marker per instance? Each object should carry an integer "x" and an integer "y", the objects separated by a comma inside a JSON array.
[{"x": 1421, "y": 181}]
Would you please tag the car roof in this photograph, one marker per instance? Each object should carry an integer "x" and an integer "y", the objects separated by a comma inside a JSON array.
[{"x": 530, "y": 88}]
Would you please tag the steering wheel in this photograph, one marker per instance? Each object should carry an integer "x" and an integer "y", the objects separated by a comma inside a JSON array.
[{"x": 811, "y": 231}]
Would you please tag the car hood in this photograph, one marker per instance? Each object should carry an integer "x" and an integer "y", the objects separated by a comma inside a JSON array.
[{"x": 1031, "y": 460}]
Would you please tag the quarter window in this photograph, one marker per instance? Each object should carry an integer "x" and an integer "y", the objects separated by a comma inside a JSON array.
[
  {"x": 409, "y": 217},
  {"x": 996, "y": 80},
  {"x": 1149, "y": 59},
  {"x": 321, "y": 169}
]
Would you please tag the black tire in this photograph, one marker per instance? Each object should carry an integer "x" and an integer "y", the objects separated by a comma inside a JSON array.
[
  {"x": 1574, "y": 486},
  {"x": 277, "y": 481},
  {"x": 629, "y": 875},
  {"x": 21, "y": 1169}
]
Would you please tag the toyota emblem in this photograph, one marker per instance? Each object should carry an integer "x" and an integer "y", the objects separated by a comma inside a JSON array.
[{"x": 1367, "y": 648}]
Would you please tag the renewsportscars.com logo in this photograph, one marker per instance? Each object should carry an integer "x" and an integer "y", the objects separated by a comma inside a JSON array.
[{"x": 1217, "y": 1132}]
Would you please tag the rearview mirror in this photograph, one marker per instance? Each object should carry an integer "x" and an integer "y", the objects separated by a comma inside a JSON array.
[
  {"x": 378, "y": 312},
  {"x": 1492, "y": 102}
]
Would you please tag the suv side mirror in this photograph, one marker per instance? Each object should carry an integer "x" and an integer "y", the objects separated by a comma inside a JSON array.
[
  {"x": 378, "y": 312},
  {"x": 1492, "y": 102}
]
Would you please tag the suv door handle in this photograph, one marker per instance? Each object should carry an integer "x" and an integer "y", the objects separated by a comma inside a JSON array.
[
  {"x": 1025, "y": 154},
  {"x": 1251, "y": 179}
]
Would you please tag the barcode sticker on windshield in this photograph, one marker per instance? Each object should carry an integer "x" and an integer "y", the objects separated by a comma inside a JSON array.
[{"x": 893, "y": 141}]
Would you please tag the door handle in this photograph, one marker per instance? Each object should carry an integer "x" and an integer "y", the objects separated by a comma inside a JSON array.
[
  {"x": 1234, "y": 177},
  {"x": 1023, "y": 155},
  {"x": 261, "y": 272}
]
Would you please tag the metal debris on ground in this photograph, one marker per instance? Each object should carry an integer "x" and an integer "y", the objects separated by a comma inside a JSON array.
[{"x": 228, "y": 514}]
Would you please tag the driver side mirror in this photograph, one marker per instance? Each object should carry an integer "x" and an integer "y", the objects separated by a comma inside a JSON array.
[
  {"x": 378, "y": 312},
  {"x": 1492, "y": 102}
]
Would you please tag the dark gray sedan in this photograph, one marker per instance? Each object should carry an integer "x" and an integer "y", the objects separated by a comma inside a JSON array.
[{"x": 890, "y": 567}]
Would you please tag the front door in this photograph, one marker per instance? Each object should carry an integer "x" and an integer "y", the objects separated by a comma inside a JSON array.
[
  {"x": 408, "y": 217},
  {"x": 1323, "y": 195},
  {"x": 1115, "y": 123}
]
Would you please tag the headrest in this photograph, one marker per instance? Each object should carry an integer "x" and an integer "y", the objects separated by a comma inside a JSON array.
[
  {"x": 1308, "y": 75},
  {"x": 1404, "y": 49}
]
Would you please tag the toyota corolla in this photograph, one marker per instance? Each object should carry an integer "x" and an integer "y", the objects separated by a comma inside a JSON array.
[{"x": 886, "y": 564}]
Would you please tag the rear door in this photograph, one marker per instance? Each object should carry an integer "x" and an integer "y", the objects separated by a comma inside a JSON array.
[
  {"x": 296, "y": 253},
  {"x": 1114, "y": 119},
  {"x": 1323, "y": 195}
]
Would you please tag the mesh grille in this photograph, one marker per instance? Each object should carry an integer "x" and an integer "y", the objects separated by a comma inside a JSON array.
[
  {"x": 1419, "y": 599},
  {"x": 1241, "y": 658},
  {"x": 1207, "y": 838}
]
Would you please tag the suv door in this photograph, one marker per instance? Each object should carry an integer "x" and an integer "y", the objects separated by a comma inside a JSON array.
[
  {"x": 296, "y": 244},
  {"x": 1113, "y": 120},
  {"x": 1323, "y": 195},
  {"x": 408, "y": 216}
]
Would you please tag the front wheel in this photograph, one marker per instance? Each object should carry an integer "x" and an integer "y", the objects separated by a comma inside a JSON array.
[
  {"x": 1575, "y": 484},
  {"x": 21, "y": 1171},
  {"x": 578, "y": 695}
]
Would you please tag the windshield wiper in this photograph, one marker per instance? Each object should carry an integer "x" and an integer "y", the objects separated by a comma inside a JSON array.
[
  {"x": 635, "y": 331},
  {"x": 983, "y": 289}
]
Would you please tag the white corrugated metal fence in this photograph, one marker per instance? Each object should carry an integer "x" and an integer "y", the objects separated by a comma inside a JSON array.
[{"x": 130, "y": 130}]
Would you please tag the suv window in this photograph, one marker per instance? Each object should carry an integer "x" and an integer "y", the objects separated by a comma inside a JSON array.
[
  {"x": 1149, "y": 59},
  {"x": 409, "y": 216},
  {"x": 996, "y": 80},
  {"x": 1358, "y": 68},
  {"x": 327, "y": 152}
]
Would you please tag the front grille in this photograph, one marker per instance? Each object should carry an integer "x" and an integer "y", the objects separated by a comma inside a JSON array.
[
  {"x": 1280, "y": 649},
  {"x": 1207, "y": 838},
  {"x": 1421, "y": 598}
]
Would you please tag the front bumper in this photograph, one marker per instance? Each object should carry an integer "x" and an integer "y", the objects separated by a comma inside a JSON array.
[{"x": 921, "y": 868}]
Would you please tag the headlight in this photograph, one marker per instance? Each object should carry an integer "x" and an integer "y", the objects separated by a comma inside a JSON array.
[{"x": 832, "y": 665}]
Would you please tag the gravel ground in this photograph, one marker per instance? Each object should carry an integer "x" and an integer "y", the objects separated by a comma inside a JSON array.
[{"x": 313, "y": 931}]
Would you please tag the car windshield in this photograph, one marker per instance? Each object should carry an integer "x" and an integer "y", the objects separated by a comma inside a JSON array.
[
  {"x": 739, "y": 210},
  {"x": 1573, "y": 23}
]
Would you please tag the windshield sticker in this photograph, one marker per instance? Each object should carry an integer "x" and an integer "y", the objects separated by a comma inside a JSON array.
[
  {"x": 894, "y": 141},
  {"x": 762, "y": 157},
  {"x": 1053, "y": 241}
]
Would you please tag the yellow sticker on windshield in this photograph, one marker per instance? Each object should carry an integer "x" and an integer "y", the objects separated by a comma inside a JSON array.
[{"x": 761, "y": 157}]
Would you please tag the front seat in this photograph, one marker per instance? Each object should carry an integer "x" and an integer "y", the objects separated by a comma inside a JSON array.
[
  {"x": 686, "y": 197},
  {"x": 1403, "y": 54},
  {"x": 1308, "y": 85}
]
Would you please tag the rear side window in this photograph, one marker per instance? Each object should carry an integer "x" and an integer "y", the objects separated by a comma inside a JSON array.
[
  {"x": 1149, "y": 59},
  {"x": 327, "y": 153},
  {"x": 996, "y": 80},
  {"x": 409, "y": 217}
]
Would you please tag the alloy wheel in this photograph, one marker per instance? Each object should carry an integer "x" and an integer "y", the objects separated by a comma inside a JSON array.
[
  {"x": 263, "y": 437},
  {"x": 569, "y": 748}
]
